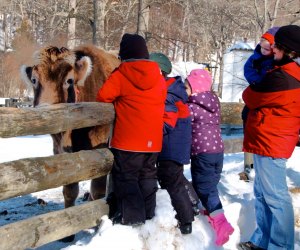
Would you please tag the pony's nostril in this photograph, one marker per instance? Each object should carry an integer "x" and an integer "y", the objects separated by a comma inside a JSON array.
[{"x": 70, "y": 81}]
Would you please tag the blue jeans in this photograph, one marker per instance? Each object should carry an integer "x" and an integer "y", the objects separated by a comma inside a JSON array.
[{"x": 273, "y": 205}]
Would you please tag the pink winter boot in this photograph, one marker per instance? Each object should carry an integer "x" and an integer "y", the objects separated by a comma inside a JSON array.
[{"x": 221, "y": 227}]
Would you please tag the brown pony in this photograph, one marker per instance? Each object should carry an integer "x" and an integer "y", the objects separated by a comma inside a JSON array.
[{"x": 65, "y": 76}]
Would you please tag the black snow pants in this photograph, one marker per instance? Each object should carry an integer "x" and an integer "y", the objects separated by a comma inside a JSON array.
[
  {"x": 182, "y": 194},
  {"x": 134, "y": 178}
]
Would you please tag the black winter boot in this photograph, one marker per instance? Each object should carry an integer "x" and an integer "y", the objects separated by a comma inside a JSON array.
[
  {"x": 185, "y": 228},
  {"x": 248, "y": 246},
  {"x": 117, "y": 218},
  {"x": 111, "y": 200}
]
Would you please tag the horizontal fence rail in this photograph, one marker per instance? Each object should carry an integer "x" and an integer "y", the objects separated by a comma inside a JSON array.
[
  {"x": 30, "y": 175},
  {"x": 54, "y": 119},
  {"x": 61, "y": 117},
  {"x": 42, "y": 229}
]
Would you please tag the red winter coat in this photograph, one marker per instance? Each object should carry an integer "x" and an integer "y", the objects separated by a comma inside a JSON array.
[
  {"x": 273, "y": 122},
  {"x": 138, "y": 92}
]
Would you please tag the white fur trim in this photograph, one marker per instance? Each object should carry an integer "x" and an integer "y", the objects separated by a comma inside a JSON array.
[
  {"x": 89, "y": 67},
  {"x": 25, "y": 78}
]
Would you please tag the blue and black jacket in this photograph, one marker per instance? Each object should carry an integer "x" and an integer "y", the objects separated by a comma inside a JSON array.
[
  {"x": 177, "y": 124},
  {"x": 257, "y": 66}
]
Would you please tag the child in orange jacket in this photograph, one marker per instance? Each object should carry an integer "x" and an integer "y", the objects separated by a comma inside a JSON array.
[{"x": 138, "y": 91}]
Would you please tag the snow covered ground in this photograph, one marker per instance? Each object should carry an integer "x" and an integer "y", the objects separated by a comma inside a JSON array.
[{"x": 160, "y": 233}]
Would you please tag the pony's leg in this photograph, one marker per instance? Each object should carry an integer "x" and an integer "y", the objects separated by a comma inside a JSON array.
[
  {"x": 98, "y": 188},
  {"x": 70, "y": 193}
]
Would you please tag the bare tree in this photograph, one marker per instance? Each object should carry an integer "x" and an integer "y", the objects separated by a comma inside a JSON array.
[
  {"x": 143, "y": 18},
  {"x": 72, "y": 24},
  {"x": 99, "y": 22},
  {"x": 198, "y": 30}
]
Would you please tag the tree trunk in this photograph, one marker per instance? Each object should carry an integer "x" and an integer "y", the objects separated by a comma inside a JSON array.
[
  {"x": 99, "y": 23},
  {"x": 2, "y": 31},
  {"x": 220, "y": 70},
  {"x": 143, "y": 18},
  {"x": 72, "y": 25}
]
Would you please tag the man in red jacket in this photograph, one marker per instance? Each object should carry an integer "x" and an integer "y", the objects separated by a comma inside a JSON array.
[
  {"x": 138, "y": 92},
  {"x": 271, "y": 134}
]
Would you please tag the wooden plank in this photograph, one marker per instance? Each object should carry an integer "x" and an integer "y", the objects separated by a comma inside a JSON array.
[
  {"x": 30, "y": 175},
  {"x": 231, "y": 113},
  {"x": 54, "y": 118},
  {"x": 233, "y": 145},
  {"x": 42, "y": 229}
]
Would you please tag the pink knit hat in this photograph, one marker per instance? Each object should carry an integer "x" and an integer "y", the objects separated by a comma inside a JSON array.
[{"x": 200, "y": 80}]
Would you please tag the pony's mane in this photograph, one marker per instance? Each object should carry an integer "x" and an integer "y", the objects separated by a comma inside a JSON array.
[{"x": 52, "y": 54}]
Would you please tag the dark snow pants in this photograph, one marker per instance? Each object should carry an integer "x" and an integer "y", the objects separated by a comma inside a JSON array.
[
  {"x": 135, "y": 184},
  {"x": 206, "y": 172},
  {"x": 182, "y": 194}
]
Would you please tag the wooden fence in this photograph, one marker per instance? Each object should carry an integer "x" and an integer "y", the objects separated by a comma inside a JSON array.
[{"x": 30, "y": 175}]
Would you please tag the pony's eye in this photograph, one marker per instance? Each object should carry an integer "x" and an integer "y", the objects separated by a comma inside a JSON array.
[{"x": 34, "y": 81}]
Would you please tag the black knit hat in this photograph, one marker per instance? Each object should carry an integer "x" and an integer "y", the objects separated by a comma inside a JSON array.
[
  {"x": 133, "y": 46},
  {"x": 289, "y": 37}
]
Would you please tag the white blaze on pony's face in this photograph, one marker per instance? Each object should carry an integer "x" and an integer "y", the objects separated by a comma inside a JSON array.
[{"x": 54, "y": 78}]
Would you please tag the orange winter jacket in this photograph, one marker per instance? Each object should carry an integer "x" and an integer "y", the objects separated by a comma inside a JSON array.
[
  {"x": 273, "y": 121},
  {"x": 138, "y": 91}
]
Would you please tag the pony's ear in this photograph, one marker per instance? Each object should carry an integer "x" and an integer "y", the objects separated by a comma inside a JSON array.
[
  {"x": 83, "y": 69},
  {"x": 26, "y": 73}
]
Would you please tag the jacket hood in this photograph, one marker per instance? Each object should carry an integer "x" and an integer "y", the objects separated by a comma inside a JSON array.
[
  {"x": 143, "y": 74},
  {"x": 177, "y": 88},
  {"x": 206, "y": 100}
]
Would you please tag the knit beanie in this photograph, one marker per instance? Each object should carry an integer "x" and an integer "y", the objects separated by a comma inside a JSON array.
[
  {"x": 133, "y": 46},
  {"x": 269, "y": 35},
  {"x": 289, "y": 37},
  {"x": 163, "y": 62},
  {"x": 200, "y": 80}
]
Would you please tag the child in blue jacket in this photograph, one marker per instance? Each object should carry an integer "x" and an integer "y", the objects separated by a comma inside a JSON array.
[
  {"x": 176, "y": 148},
  {"x": 260, "y": 62}
]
